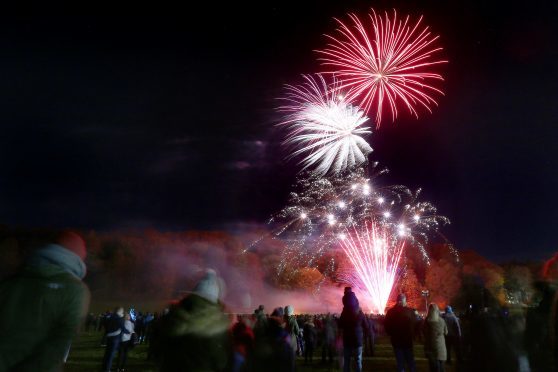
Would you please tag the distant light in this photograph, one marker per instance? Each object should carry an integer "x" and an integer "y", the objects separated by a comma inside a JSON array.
[
  {"x": 342, "y": 236},
  {"x": 387, "y": 214},
  {"x": 401, "y": 226},
  {"x": 416, "y": 217},
  {"x": 331, "y": 222},
  {"x": 402, "y": 233},
  {"x": 366, "y": 191},
  {"x": 353, "y": 187},
  {"x": 341, "y": 204},
  {"x": 330, "y": 217},
  {"x": 303, "y": 215},
  {"x": 380, "y": 200}
]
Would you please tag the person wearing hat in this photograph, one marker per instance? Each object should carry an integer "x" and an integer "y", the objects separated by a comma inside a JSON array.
[
  {"x": 453, "y": 338},
  {"x": 350, "y": 301},
  {"x": 281, "y": 357},
  {"x": 400, "y": 324},
  {"x": 352, "y": 324},
  {"x": 43, "y": 306},
  {"x": 193, "y": 336},
  {"x": 435, "y": 330},
  {"x": 292, "y": 327}
]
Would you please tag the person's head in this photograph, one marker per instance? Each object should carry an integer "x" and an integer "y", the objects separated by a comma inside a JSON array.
[
  {"x": 433, "y": 313},
  {"x": 449, "y": 310},
  {"x": 350, "y": 300},
  {"x": 402, "y": 299},
  {"x": 72, "y": 242},
  {"x": 261, "y": 308},
  {"x": 289, "y": 310},
  {"x": 127, "y": 316},
  {"x": 277, "y": 312},
  {"x": 210, "y": 287},
  {"x": 119, "y": 311}
]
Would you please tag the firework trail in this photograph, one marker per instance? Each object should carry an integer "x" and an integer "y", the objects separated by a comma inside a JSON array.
[
  {"x": 338, "y": 207},
  {"x": 323, "y": 127},
  {"x": 322, "y": 209},
  {"x": 374, "y": 258},
  {"x": 387, "y": 60}
]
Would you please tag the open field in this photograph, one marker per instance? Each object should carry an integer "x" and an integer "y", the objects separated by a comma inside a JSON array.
[{"x": 86, "y": 355}]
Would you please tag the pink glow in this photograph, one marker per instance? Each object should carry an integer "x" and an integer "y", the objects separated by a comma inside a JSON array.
[{"x": 375, "y": 260}]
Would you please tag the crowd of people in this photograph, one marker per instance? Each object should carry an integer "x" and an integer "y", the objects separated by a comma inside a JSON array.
[
  {"x": 121, "y": 332},
  {"x": 44, "y": 306},
  {"x": 197, "y": 335}
]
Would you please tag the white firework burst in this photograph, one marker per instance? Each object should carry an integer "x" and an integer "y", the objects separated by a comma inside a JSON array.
[{"x": 324, "y": 128}]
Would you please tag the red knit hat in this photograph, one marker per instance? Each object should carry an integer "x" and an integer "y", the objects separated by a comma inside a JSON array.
[{"x": 72, "y": 242}]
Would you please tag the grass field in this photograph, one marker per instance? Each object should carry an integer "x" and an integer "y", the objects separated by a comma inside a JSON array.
[{"x": 86, "y": 355}]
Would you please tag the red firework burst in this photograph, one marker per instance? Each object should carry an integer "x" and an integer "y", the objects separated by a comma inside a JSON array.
[{"x": 387, "y": 62}]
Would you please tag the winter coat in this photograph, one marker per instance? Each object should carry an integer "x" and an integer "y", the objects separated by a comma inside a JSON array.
[
  {"x": 282, "y": 357},
  {"x": 434, "y": 340},
  {"x": 242, "y": 338},
  {"x": 127, "y": 331},
  {"x": 330, "y": 331},
  {"x": 454, "y": 328},
  {"x": 310, "y": 335},
  {"x": 41, "y": 309},
  {"x": 353, "y": 326},
  {"x": 294, "y": 331},
  {"x": 400, "y": 324},
  {"x": 350, "y": 302},
  {"x": 370, "y": 330},
  {"x": 114, "y": 325},
  {"x": 193, "y": 336}
]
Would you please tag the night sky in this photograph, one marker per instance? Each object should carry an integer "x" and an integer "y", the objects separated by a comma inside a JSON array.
[{"x": 121, "y": 122}]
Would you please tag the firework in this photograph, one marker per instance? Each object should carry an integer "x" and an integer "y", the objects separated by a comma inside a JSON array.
[
  {"x": 383, "y": 62},
  {"x": 374, "y": 258},
  {"x": 324, "y": 128},
  {"x": 323, "y": 209}
]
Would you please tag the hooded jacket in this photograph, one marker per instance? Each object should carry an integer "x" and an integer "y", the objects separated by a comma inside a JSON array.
[
  {"x": 41, "y": 310},
  {"x": 400, "y": 325},
  {"x": 193, "y": 337},
  {"x": 454, "y": 328},
  {"x": 434, "y": 341},
  {"x": 353, "y": 325}
]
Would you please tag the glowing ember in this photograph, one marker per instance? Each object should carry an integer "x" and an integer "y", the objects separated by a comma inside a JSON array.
[
  {"x": 375, "y": 260},
  {"x": 386, "y": 61}
]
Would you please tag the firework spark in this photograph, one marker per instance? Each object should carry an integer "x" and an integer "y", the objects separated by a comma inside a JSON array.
[
  {"x": 324, "y": 127},
  {"x": 323, "y": 209},
  {"x": 389, "y": 60},
  {"x": 375, "y": 261}
]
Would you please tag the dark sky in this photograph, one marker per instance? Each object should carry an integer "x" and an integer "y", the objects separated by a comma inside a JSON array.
[{"x": 167, "y": 122}]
